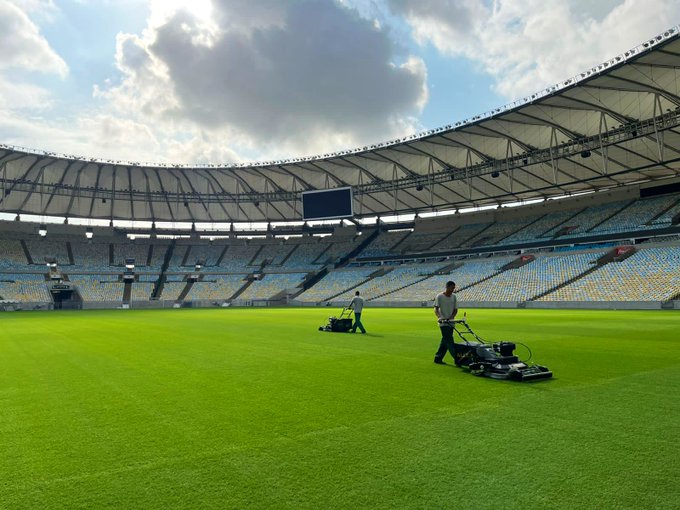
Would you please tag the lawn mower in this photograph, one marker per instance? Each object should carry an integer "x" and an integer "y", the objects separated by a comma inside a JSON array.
[
  {"x": 495, "y": 360},
  {"x": 341, "y": 324}
]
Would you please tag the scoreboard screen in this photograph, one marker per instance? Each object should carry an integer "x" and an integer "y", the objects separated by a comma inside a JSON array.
[{"x": 327, "y": 204}]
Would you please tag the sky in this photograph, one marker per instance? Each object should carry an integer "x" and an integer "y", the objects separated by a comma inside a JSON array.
[{"x": 233, "y": 81}]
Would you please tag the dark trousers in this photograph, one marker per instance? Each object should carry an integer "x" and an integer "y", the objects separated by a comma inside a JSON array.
[
  {"x": 357, "y": 323},
  {"x": 446, "y": 344}
]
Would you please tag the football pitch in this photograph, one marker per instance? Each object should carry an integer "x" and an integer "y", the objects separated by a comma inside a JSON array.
[{"x": 255, "y": 408}]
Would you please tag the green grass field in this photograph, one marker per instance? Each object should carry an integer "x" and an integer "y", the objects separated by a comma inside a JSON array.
[{"x": 255, "y": 408}]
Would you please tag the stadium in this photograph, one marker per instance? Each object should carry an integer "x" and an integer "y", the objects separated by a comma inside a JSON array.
[{"x": 163, "y": 347}]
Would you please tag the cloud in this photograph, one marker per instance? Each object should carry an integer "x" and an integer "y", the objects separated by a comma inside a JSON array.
[
  {"x": 270, "y": 78},
  {"x": 527, "y": 45},
  {"x": 22, "y": 46}
]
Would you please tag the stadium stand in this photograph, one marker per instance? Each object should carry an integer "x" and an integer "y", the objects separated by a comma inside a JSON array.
[
  {"x": 138, "y": 251},
  {"x": 665, "y": 219},
  {"x": 238, "y": 257},
  {"x": 217, "y": 287},
  {"x": 172, "y": 290},
  {"x": 530, "y": 280},
  {"x": 497, "y": 232},
  {"x": 304, "y": 254},
  {"x": 636, "y": 216},
  {"x": 421, "y": 242},
  {"x": 13, "y": 256},
  {"x": 273, "y": 253},
  {"x": 471, "y": 271},
  {"x": 587, "y": 219},
  {"x": 43, "y": 249},
  {"x": 335, "y": 283},
  {"x": 384, "y": 244},
  {"x": 338, "y": 248},
  {"x": 393, "y": 279},
  {"x": 537, "y": 229},
  {"x": 90, "y": 257},
  {"x": 97, "y": 287},
  {"x": 141, "y": 291},
  {"x": 272, "y": 284},
  {"x": 95, "y": 266},
  {"x": 460, "y": 237},
  {"x": 209, "y": 254},
  {"x": 651, "y": 274}
]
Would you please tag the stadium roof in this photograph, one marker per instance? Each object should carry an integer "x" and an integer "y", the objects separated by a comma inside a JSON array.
[{"x": 612, "y": 125}]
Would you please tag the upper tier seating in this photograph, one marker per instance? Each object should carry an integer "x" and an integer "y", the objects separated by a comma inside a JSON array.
[
  {"x": 273, "y": 254},
  {"x": 305, "y": 254},
  {"x": 636, "y": 216},
  {"x": 237, "y": 258},
  {"x": 460, "y": 236},
  {"x": 421, "y": 242},
  {"x": 12, "y": 255},
  {"x": 89, "y": 256},
  {"x": 137, "y": 251},
  {"x": 589, "y": 218},
  {"x": 665, "y": 219},
  {"x": 381, "y": 245},
  {"x": 548, "y": 223},
  {"x": 42, "y": 249}
]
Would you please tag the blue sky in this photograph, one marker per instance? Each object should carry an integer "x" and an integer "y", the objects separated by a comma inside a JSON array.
[{"x": 223, "y": 81}]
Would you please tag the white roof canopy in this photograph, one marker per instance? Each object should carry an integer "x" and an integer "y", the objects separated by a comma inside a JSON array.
[{"x": 613, "y": 125}]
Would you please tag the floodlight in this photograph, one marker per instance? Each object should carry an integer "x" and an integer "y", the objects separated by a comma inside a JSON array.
[
  {"x": 42, "y": 231},
  {"x": 89, "y": 233}
]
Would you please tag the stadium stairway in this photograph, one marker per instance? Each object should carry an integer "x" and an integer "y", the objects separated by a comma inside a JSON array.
[
  {"x": 69, "y": 252},
  {"x": 127, "y": 291},
  {"x": 186, "y": 256},
  {"x": 158, "y": 287},
  {"x": 617, "y": 254},
  {"x": 185, "y": 290},
  {"x": 26, "y": 252}
]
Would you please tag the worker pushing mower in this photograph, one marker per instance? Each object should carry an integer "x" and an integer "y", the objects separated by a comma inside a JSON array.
[{"x": 469, "y": 350}]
